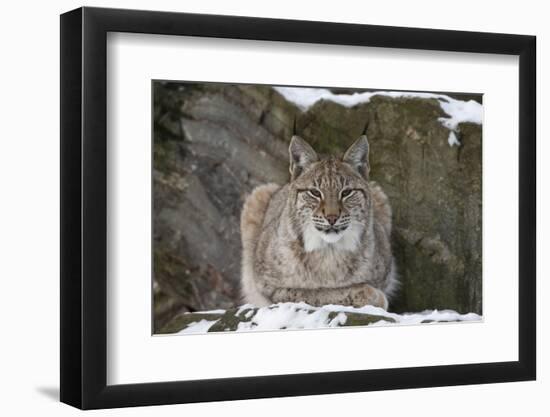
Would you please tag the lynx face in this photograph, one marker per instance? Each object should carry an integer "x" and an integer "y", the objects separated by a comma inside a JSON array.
[{"x": 331, "y": 196}]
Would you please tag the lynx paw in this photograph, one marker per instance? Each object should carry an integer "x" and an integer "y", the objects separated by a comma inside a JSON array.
[{"x": 370, "y": 296}]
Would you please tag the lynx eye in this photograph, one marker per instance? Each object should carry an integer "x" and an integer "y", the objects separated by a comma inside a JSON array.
[
  {"x": 315, "y": 193},
  {"x": 345, "y": 193}
]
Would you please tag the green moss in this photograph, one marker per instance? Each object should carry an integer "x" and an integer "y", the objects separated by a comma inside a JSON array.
[
  {"x": 184, "y": 320},
  {"x": 359, "y": 319}
]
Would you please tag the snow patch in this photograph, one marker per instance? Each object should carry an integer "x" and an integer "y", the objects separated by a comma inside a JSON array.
[
  {"x": 198, "y": 326},
  {"x": 291, "y": 316},
  {"x": 242, "y": 308},
  {"x": 453, "y": 140},
  {"x": 303, "y": 316},
  {"x": 219, "y": 311},
  {"x": 408, "y": 318},
  {"x": 458, "y": 111}
]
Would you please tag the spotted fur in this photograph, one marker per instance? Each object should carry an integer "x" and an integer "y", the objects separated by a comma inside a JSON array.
[{"x": 323, "y": 238}]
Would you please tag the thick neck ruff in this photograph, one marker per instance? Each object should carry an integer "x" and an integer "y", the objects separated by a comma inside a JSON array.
[{"x": 348, "y": 240}]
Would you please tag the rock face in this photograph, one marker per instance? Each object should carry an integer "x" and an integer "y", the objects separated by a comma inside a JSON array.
[{"x": 214, "y": 143}]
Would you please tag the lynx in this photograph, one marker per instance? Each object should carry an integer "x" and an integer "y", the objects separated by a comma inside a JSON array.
[{"x": 323, "y": 238}]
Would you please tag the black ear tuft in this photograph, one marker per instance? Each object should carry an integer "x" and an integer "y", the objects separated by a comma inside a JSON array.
[
  {"x": 301, "y": 156},
  {"x": 365, "y": 129}
]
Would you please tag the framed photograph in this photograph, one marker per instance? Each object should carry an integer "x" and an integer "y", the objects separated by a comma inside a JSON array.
[{"x": 258, "y": 208}]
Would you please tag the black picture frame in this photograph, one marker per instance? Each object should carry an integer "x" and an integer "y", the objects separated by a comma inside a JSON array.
[{"x": 84, "y": 207}]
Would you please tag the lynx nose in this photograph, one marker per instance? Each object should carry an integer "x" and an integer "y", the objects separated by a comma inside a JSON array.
[{"x": 331, "y": 218}]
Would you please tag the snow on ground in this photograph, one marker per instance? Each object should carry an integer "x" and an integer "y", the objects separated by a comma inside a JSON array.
[
  {"x": 459, "y": 111},
  {"x": 219, "y": 311},
  {"x": 198, "y": 327},
  {"x": 291, "y": 316},
  {"x": 303, "y": 316},
  {"x": 453, "y": 140}
]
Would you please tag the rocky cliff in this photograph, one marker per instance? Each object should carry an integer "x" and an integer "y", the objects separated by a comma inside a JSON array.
[{"x": 214, "y": 143}]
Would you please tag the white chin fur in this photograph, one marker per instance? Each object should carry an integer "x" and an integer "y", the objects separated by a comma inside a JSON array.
[
  {"x": 332, "y": 237},
  {"x": 346, "y": 240}
]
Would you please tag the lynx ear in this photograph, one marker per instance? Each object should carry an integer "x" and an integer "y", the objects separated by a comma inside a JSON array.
[
  {"x": 358, "y": 155},
  {"x": 301, "y": 155}
]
